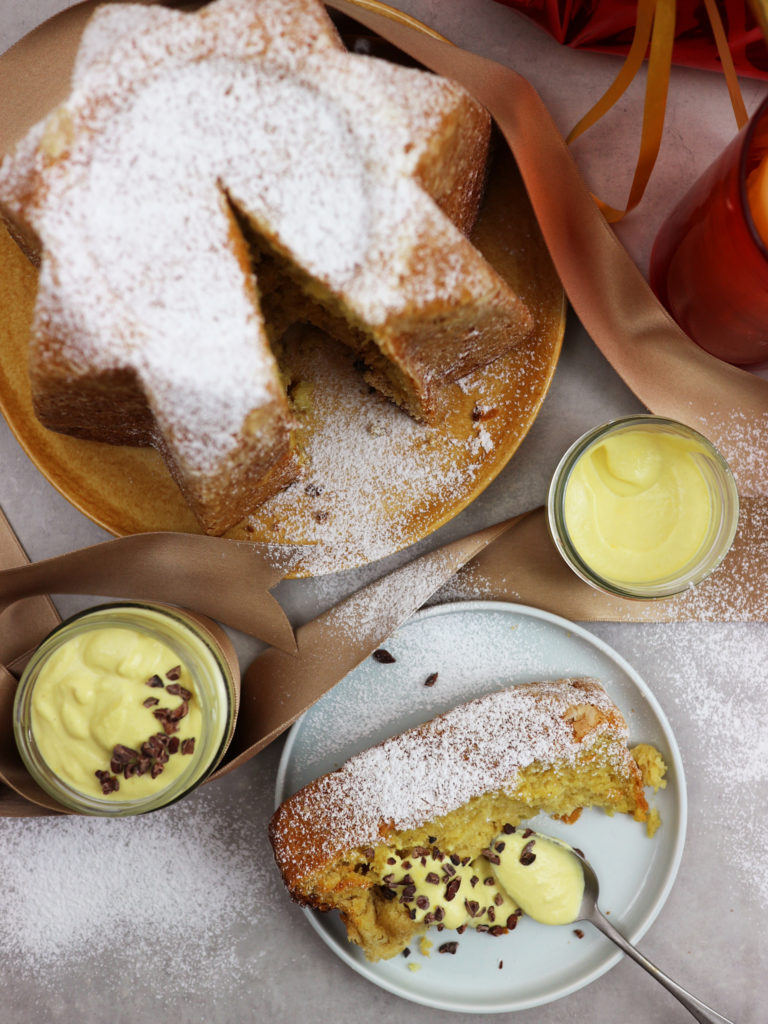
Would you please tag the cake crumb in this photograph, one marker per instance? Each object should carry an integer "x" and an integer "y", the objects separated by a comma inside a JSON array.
[
  {"x": 653, "y": 823},
  {"x": 651, "y": 765}
]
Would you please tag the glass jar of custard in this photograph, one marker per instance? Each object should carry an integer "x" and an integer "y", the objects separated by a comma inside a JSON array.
[
  {"x": 643, "y": 507},
  {"x": 125, "y": 708}
]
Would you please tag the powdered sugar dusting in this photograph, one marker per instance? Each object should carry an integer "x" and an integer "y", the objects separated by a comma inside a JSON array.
[
  {"x": 171, "y": 117},
  {"x": 177, "y": 882},
  {"x": 374, "y": 479},
  {"x": 422, "y": 774},
  {"x": 715, "y": 685}
]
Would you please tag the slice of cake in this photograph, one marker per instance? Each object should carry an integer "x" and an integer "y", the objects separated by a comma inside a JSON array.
[
  {"x": 209, "y": 168},
  {"x": 442, "y": 793}
]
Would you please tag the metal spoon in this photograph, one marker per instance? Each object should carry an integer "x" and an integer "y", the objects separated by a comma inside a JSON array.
[{"x": 589, "y": 911}]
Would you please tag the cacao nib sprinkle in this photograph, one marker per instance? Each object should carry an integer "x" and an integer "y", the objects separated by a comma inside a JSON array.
[
  {"x": 508, "y": 829},
  {"x": 441, "y": 927},
  {"x": 482, "y": 928},
  {"x": 464, "y": 861},
  {"x": 150, "y": 702},
  {"x": 412, "y": 913},
  {"x": 409, "y": 891},
  {"x": 455, "y": 859},
  {"x": 500, "y": 847},
  {"x": 473, "y": 881},
  {"x": 174, "y": 673},
  {"x": 421, "y": 851},
  {"x": 388, "y": 879},
  {"x": 407, "y": 880},
  {"x": 383, "y": 657},
  {"x": 439, "y": 913},
  {"x": 527, "y": 856},
  {"x": 422, "y": 902},
  {"x": 449, "y": 870},
  {"x": 498, "y": 899},
  {"x": 152, "y": 747},
  {"x": 179, "y": 691},
  {"x": 406, "y": 952},
  {"x": 429, "y": 919},
  {"x": 154, "y": 681},
  {"x": 177, "y": 713},
  {"x": 512, "y": 921},
  {"x": 528, "y": 832},
  {"x": 431, "y": 679},
  {"x": 501, "y": 964},
  {"x": 431, "y": 839},
  {"x": 156, "y": 769},
  {"x": 496, "y": 930},
  {"x": 109, "y": 783},
  {"x": 169, "y": 718},
  {"x": 491, "y": 856},
  {"x": 391, "y": 860},
  {"x": 472, "y": 907},
  {"x": 448, "y": 947},
  {"x": 188, "y": 745},
  {"x": 488, "y": 881},
  {"x": 461, "y": 929},
  {"x": 452, "y": 888},
  {"x": 173, "y": 744},
  {"x": 122, "y": 756},
  {"x": 491, "y": 914},
  {"x": 433, "y": 878},
  {"x": 407, "y": 865},
  {"x": 578, "y": 933}
]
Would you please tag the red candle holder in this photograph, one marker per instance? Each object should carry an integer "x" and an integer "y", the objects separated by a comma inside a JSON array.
[{"x": 709, "y": 265}]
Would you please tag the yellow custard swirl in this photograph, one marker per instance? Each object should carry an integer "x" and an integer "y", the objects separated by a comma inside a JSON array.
[
  {"x": 638, "y": 506},
  {"x": 543, "y": 876},
  {"x": 520, "y": 872},
  {"x": 104, "y": 688}
]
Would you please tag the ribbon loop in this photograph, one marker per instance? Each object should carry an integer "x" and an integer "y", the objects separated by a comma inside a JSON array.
[{"x": 656, "y": 24}]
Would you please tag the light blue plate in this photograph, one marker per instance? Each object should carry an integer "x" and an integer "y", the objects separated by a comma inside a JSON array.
[{"x": 477, "y": 647}]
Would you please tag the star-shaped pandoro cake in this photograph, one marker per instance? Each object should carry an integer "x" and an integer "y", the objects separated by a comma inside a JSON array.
[{"x": 213, "y": 176}]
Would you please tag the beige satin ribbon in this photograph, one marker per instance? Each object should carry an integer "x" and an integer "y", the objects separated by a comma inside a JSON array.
[{"x": 514, "y": 560}]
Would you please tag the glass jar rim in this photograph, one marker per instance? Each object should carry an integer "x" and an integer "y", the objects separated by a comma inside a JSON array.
[
  {"x": 72, "y": 798},
  {"x": 674, "y": 583}
]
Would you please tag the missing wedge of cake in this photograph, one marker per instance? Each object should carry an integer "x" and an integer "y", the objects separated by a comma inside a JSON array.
[
  {"x": 437, "y": 796},
  {"x": 215, "y": 176}
]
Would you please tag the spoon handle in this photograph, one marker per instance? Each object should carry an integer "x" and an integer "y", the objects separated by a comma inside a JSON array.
[{"x": 699, "y": 1010}]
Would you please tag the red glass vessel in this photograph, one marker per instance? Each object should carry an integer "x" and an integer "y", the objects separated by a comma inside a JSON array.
[{"x": 709, "y": 265}]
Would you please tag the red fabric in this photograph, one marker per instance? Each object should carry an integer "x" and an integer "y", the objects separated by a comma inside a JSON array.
[{"x": 607, "y": 26}]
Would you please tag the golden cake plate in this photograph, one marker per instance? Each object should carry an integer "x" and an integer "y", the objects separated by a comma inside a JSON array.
[{"x": 375, "y": 481}]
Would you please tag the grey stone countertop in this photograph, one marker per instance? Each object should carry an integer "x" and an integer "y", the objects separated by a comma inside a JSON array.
[{"x": 181, "y": 916}]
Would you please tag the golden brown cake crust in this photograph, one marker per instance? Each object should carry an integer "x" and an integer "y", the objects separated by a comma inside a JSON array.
[
  {"x": 360, "y": 174},
  {"x": 510, "y": 754}
]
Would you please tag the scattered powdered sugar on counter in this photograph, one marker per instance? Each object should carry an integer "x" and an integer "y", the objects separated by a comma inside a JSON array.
[
  {"x": 714, "y": 687},
  {"x": 75, "y": 889}
]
